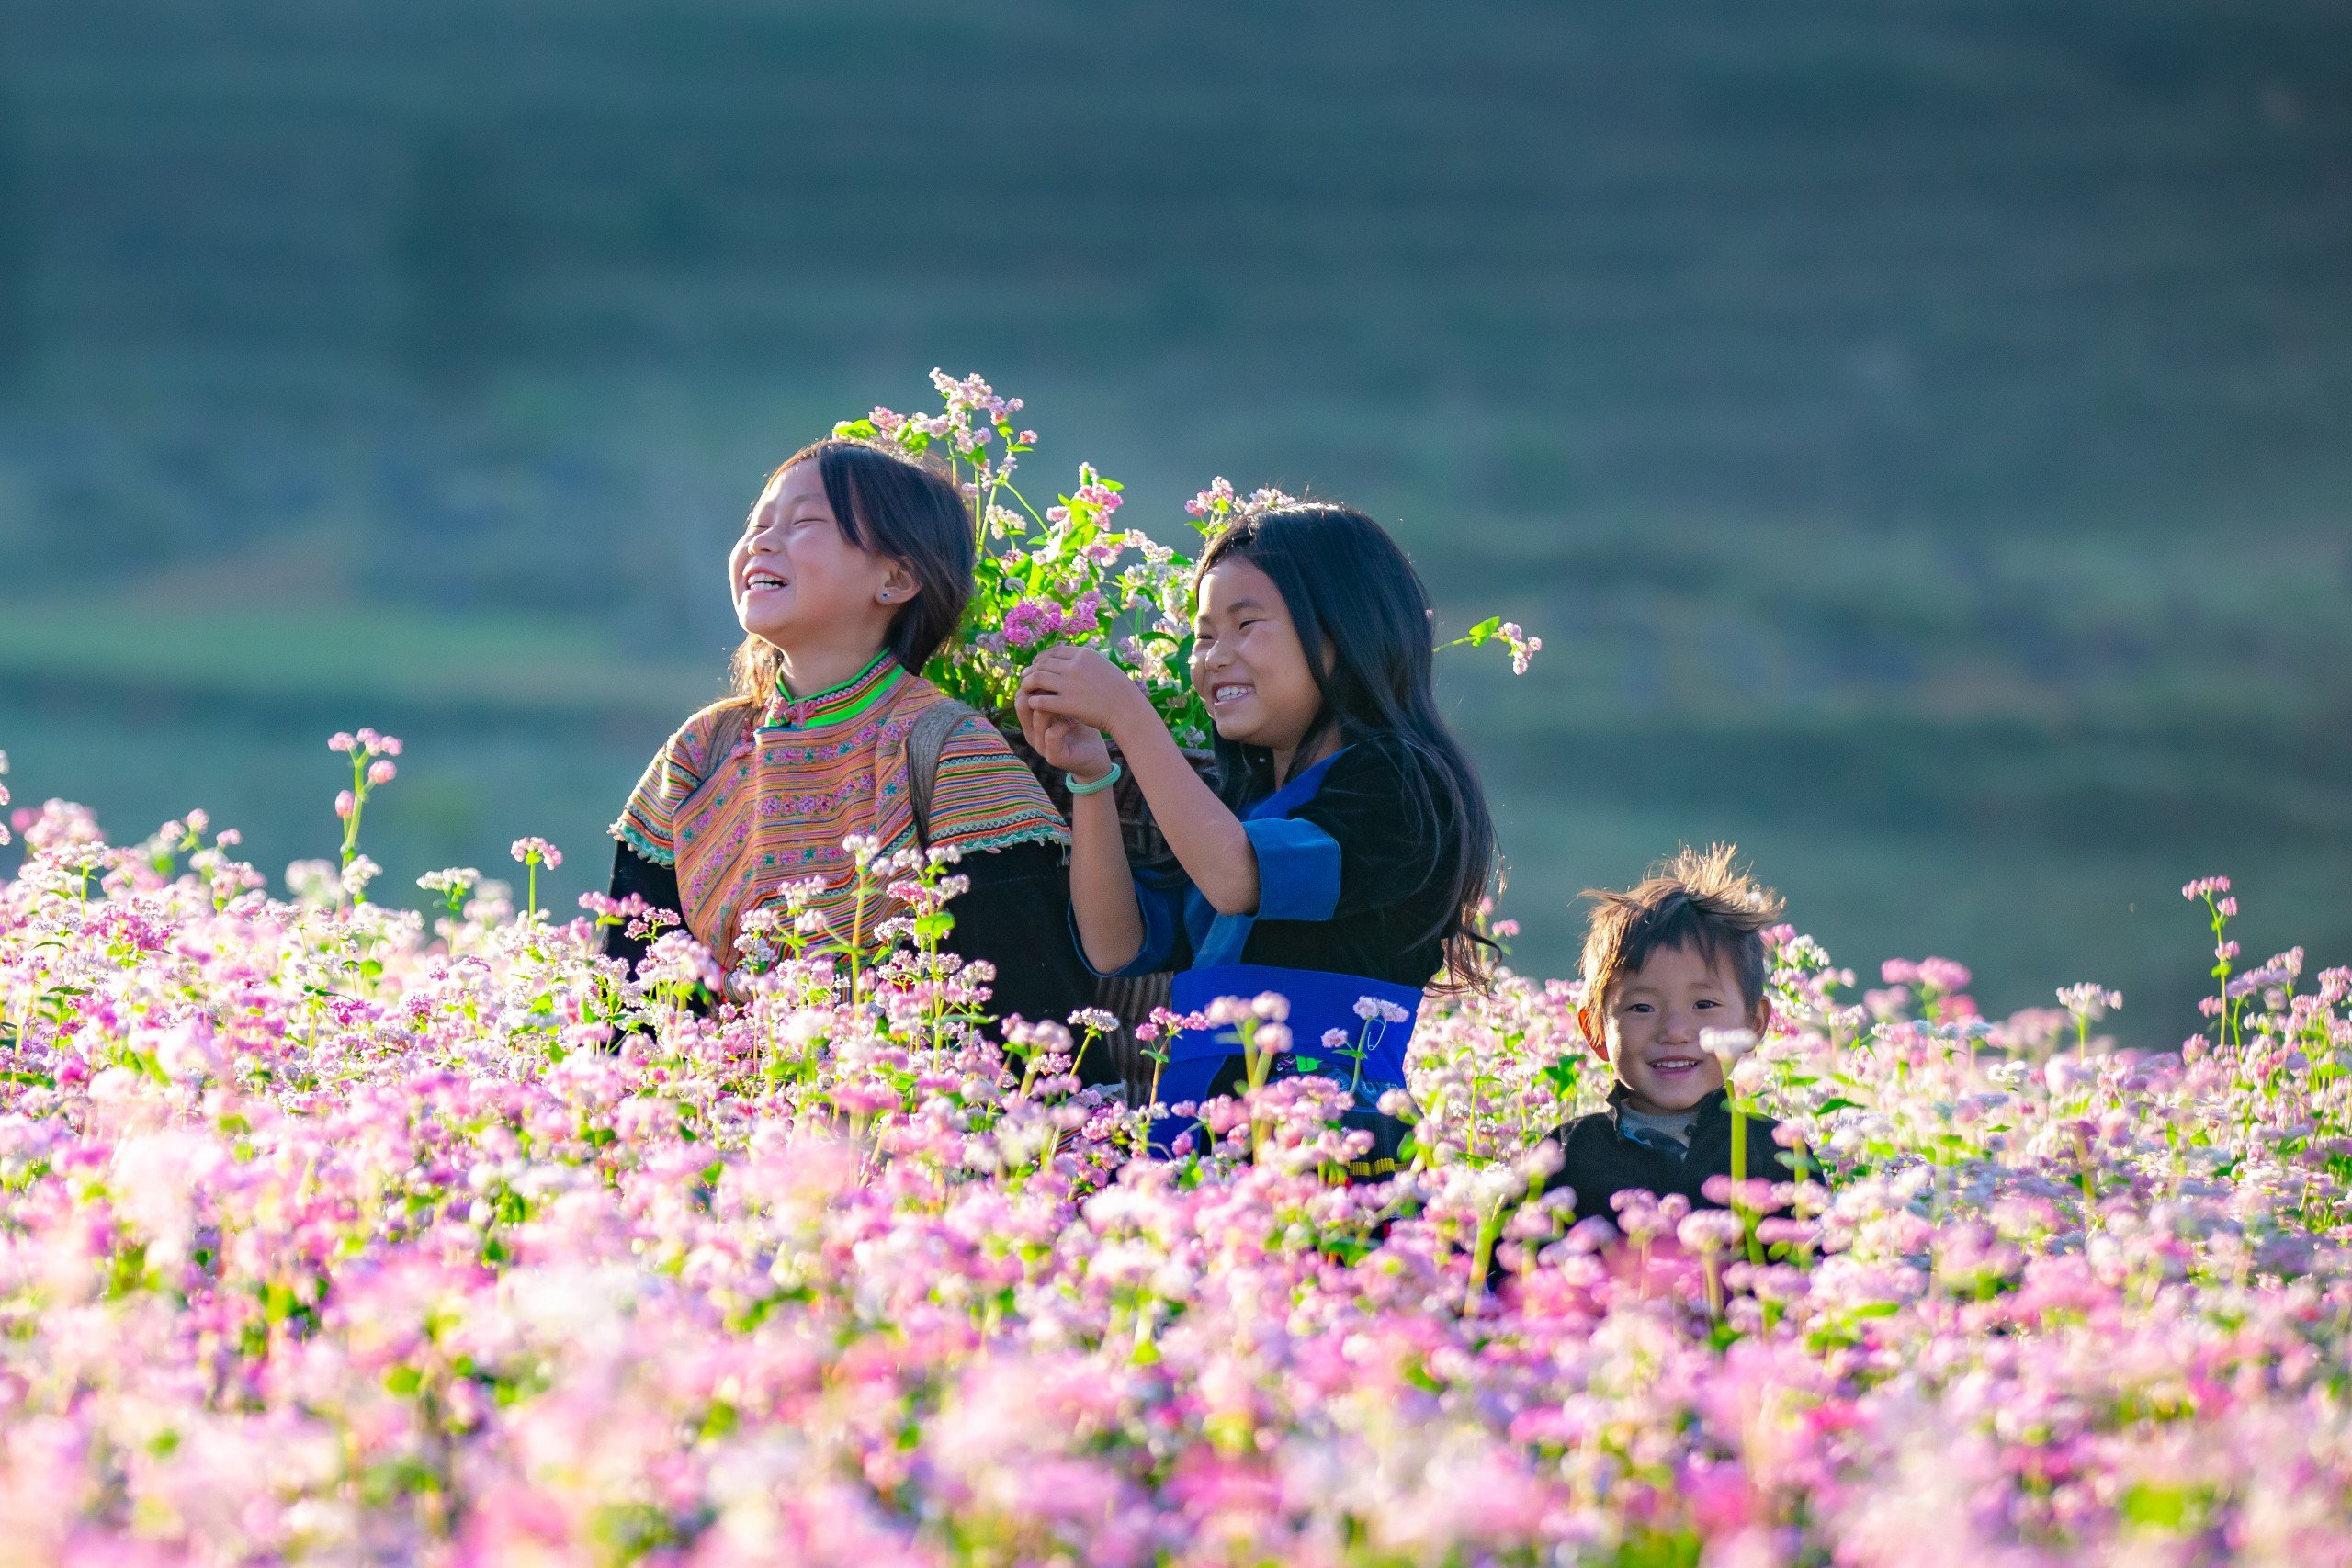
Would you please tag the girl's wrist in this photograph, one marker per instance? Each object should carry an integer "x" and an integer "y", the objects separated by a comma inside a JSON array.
[
  {"x": 1095, "y": 811},
  {"x": 1135, "y": 717}
]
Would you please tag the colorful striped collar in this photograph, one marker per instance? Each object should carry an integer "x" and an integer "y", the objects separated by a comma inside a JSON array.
[{"x": 850, "y": 701}]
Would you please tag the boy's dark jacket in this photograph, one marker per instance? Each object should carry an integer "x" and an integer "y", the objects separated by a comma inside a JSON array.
[{"x": 1598, "y": 1162}]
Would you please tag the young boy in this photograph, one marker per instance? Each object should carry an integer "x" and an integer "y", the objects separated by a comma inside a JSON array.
[{"x": 1663, "y": 963}]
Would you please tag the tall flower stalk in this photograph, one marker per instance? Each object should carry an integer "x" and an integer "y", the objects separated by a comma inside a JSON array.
[
  {"x": 371, "y": 767},
  {"x": 534, "y": 853}
]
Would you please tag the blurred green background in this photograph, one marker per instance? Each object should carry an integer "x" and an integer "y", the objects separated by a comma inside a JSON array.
[{"x": 1917, "y": 428}]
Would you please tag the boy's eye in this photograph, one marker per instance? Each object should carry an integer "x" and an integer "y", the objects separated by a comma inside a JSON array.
[
  {"x": 1707, "y": 1002},
  {"x": 1637, "y": 1007}
]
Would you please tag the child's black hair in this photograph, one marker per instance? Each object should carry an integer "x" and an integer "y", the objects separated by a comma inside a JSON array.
[
  {"x": 1364, "y": 618},
  {"x": 1707, "y": 902}
]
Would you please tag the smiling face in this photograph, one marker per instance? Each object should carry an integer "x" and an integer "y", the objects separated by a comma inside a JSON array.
[
  {"x": 799, "y": 581},
  {"x": 1648, "y": 1027},
  {"x": 1248, "y": 663}
]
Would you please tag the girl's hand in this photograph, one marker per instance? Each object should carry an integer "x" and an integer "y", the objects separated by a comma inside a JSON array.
[
  {"x": 1079, "y": 684},
  {"x": 1086, "y": 689},
  {"x": 1076, "y": 748}
]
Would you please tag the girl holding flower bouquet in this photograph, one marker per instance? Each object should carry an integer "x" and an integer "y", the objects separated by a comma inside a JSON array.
[
  {"x": 853, "y": 568},
  {"x": 1340, "y": 857}
]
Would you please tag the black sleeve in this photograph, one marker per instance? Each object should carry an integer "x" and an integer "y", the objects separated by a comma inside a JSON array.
[
  {"x": 1015, "y": 916},
  {"x": 657, "y": 884},
  {"x": 1393, "y": 843}
]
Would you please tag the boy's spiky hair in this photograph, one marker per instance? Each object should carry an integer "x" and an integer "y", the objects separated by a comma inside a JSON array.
[{"x": 1695, "y": 899}]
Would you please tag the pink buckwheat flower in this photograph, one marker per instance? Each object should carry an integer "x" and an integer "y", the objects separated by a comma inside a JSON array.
[{"x": 535, "y": 852}]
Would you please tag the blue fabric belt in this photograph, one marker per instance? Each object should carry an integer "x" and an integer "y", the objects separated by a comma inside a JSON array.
[{"x": 1319, "y": 1001}]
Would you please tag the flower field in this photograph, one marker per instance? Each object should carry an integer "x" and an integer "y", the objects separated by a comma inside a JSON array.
[{"x": 332, "y": 1233}]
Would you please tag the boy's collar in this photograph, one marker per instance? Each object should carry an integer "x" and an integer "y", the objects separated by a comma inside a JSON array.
[{"x": 1714, "y": 1099}]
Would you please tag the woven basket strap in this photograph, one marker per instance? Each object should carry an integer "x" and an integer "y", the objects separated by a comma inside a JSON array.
[
  {"x": 926, "y": 739},
  {"x": 728, "y": 729}
]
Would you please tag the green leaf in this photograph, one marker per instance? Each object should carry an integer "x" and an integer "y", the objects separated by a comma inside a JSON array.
[{"x": 2171, "y": 1509}]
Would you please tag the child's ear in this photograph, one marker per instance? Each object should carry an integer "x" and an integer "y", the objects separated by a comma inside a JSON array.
[
  {"x": 1760, "y": 1016},
  {"x": 898, "y": 584},
  {"x": 1596, "y": 1034}
]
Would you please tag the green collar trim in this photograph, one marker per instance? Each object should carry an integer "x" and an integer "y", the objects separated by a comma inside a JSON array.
[{"x": 853, "y": 699}]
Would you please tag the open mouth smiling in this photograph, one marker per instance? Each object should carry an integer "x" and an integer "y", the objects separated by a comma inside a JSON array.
[{"x": 1229, "y": 692}]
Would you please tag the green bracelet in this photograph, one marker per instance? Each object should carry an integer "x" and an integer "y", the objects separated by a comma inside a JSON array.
[{"x": 1098, "y": 786}]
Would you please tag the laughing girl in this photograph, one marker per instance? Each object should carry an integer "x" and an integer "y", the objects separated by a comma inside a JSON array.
[
  {"x": 1340, "y": 859},
  {"x": 853, "y": 568}
]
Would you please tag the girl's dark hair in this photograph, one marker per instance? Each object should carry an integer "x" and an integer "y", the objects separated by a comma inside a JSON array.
[
  {"x": 891, "y": 506},
  {"x": 1356, "y": 600}
]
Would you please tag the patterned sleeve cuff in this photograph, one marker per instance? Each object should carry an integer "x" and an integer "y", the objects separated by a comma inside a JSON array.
[{"x": 644, "y": 848}]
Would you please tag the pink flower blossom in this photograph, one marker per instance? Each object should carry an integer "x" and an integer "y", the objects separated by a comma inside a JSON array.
[
  {"x": 535, "y": 852},
  {"x": 1943, "y": 974},
  {"x": 1032, "y": 621}
]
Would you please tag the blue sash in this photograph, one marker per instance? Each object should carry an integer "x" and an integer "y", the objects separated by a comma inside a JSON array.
[{"x": 1319, "y": 1001}]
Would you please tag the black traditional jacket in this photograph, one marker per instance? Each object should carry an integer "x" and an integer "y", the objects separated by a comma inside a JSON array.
[{"x": 1599, "y": 1161}]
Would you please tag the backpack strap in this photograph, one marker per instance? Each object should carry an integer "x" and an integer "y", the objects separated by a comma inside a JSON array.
[
  {"x": 728, "y": 729},
  {"x": 926, "y": 739}
]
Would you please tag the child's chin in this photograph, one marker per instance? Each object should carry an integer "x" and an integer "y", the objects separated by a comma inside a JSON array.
[
  {"x": 1675, "y": 1099},
  {"x": 1240, "y": 731}
]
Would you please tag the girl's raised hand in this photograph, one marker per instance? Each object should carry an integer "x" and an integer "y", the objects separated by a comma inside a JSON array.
[
  {"x": 1079, "y": 683},
  {"x": 1076, "y": 748}
]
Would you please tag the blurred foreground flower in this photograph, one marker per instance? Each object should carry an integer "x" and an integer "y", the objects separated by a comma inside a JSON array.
[{"x": 325, "y": 1238}]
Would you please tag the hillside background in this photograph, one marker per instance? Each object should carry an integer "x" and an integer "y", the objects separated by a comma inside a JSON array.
[{"x": 1919, "y": 430}]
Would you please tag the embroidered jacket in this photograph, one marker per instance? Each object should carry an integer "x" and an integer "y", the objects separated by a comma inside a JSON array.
[{"x": 813, "y": 771}]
